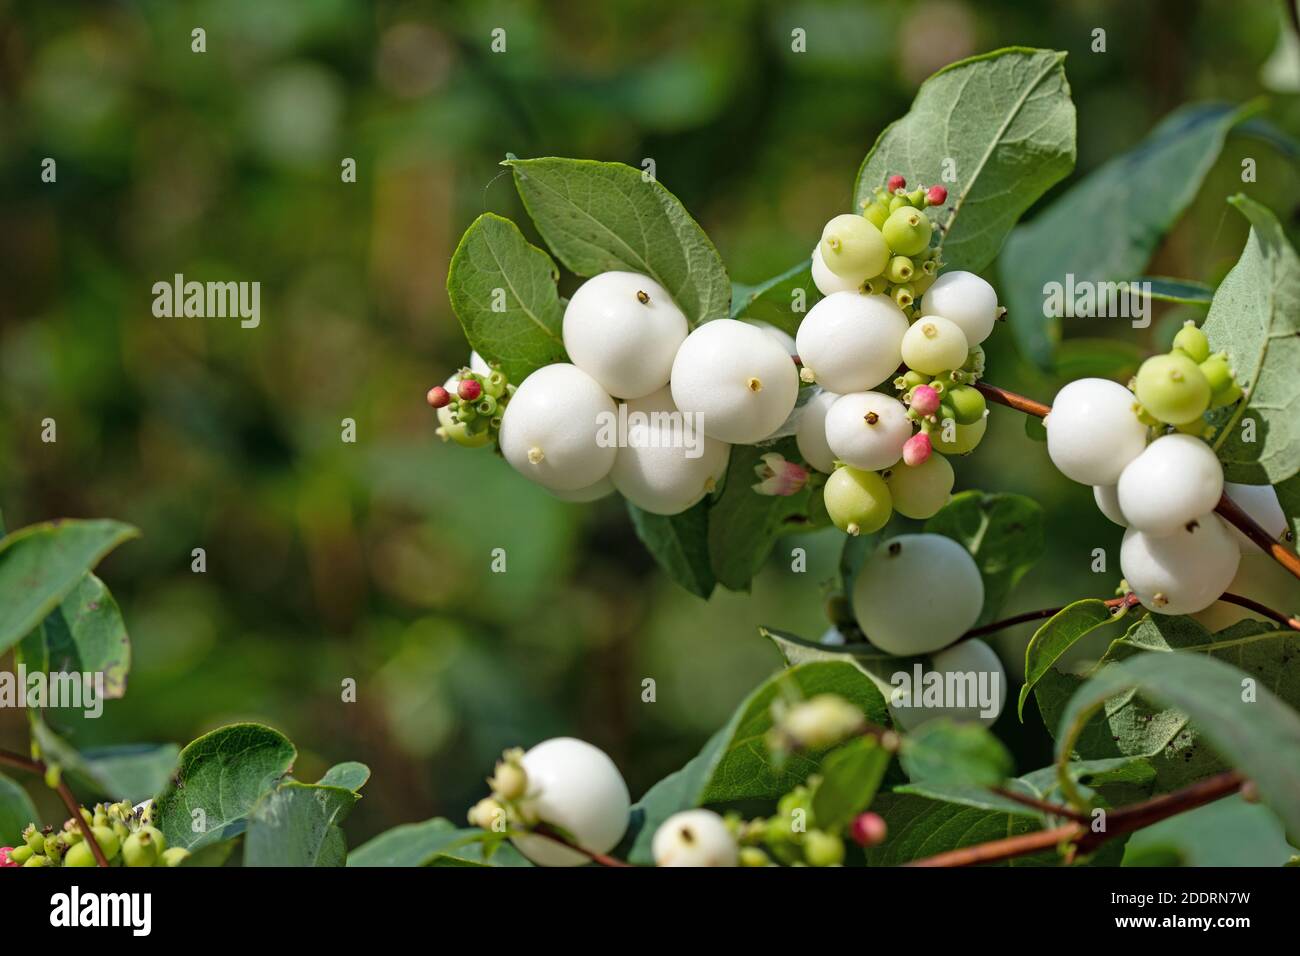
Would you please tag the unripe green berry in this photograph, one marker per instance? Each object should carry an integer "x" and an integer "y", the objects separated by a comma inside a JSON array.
[
  {"x": 21, "y": 854},
  {"x": 907, "y": 231},
  {"x": 853, "y": 248},
  {"x": 964, "y": 437},
  {"x": 877, "y": 212},
  {"x": 919, "y": 491},
  {"x": 967, "y": 404},
  {"x": 910, "y": 379},
  {"x": 904, "y": 295},
  {"x": 173, "y": 856},
  {"x": 1193, "y": 342},
  {"x": 753, "y": 856},
  {"x": 1217, "y": 371},
  {"x": 823, "y": 849},
  {"x": 857, "y": 501},
  {"x": 917, "y": 198},
  {"x": 1227, "y": 396},
  {"x": 1173, "y": 389},
  {"x": 140, "y": 848},
  {"x": 80, "y": 855},
  {"x": 896, "y": 203},
  {"x": 934, "y": 344},
  {"x": 34, "y": 838},
  {"x": 37, "y": 859},
  {"x": 108, "y": 841},
  {"x": 900, "y": 269}
]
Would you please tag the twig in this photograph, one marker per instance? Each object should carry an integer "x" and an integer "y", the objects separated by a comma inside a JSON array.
[
  {"x": 1082, "y": 838},
  {"x": 65, "y": 794},
  {"x": 1055, "y": 809},
  {"x": 1226, "y": 508},
  {"x": 603, "y": 859},
  {"x": 1129, "y": 600}
]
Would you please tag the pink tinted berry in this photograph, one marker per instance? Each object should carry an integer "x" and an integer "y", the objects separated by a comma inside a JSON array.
[
  {"x": 896, "y": 182},
  {"x": 438, "y": 397},
  {"x": 4, "y": 857},
  {"x": 936, "y": 195},
  {"x": 925, "y": 400},
  {"x": 469, "y": 390},
  {"x": 916, "y": 450},
  {"x": 869, "y": 829}
]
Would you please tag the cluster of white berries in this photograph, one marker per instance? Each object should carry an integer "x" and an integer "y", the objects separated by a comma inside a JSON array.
[
  {"x": 870, "y": 331},
  {"x": 1153, "y": 474}
]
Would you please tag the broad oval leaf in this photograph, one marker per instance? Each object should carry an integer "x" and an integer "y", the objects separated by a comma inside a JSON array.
[
  {"x": 132, "y": 772},
  {"x": 435, "y": 842},
  {"x": 41, "y": 564},
  {"x": 1107, "y": 226},
  {"x": 16, "y": 811},
  {"x": 851, "y": 775},
  {"x": 598, "y": 217},
  {"x": 1255, "y": 318},
  {"x": 350, "y": 775},
  {"x": 947, "y": 753},
  {"x": 85, "y": 635},
  {"x": 502, "y": 288},
  {"x": 679, "y": 544},
  {"x": 782, "y": 300},
  {"x": 297, "y": 824},
  {"x": 223, "y": 774},
  {"x": 1257, "y": 733},
  {"x": 1003, "y": 125},
  {"x": 1058, "y": 634}
]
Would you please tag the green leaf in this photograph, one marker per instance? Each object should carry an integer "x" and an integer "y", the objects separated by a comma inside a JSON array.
[
  {"x": 598, "y": 217},
  {"x": 1003, "y": 533},
  {"x": 851, "y": 775},
  {"x": 85, "y": 635},
  {"x": 1004, "y": 124},
  {"x": 41, "y": 564},
  {"x": 925, "y": 819},
  {"x": 428, "y": 843},
  {"x": 680, "y": 545},
  {"x": 735, "y": 764},
  {"x": 502, "y": 289},
  {"x": 1228, "y": 832},
  {"x": 1058, "y": 634},
  {"x": 946, "y": 753},
  {"x": 1181, "y": 291},
  {"x": 1260, "y": 736},
  {"x": 1034, "y": 428},
  {"x": 16, "y": 811},
  {"x": 223, "y": 774},
  {"x": 1107, "y": 226},
  {"x": 744, "y": 525},
  {"x": 132, "y": 772},
  {"x": 878, "y": 666},
  {"x": 1255, "y": 318},
  {"x": 774, "y": 300},
  {"x": 297, "y": 824},
  {"x": 350, "y": 775},
  {"x": 1288, "y": 496}
]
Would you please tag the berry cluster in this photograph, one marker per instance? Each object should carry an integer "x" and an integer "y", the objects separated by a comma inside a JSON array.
[
  {"x": 471, "y": 404},
  {"x": 126, "y": 836},
  {"x": 870, "y": 330},
  {"x": 1153, "y": 474}
]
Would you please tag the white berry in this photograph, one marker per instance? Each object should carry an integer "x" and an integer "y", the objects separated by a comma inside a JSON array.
[
  {"x": 592, "y": 492},
  {"x": 736, "y": 376},
  {"x": 694, "y": 838},
  {"x": 828, "y": 282},
  {"x": 623, "y": 329},
  {"x": 934, "y": 344},
  {"x": 1183, "y": 572},
  {"x": 1176, "y": 479},
  {"x": 478, "y": 364},
  {"x": 852, "y": 342},
  {"x": 780, "y": 336},
  {"x": 811, "y": 433},
  {"x": 867, "y": 430},
  {"x": 575, "y": 787},
  {"x": 1107, "y": 498},
  {"x": 944, "y": 580},
  {"x": 550, "y": 427},
  {"x": 1093, "y": 431},
  {"x": 1260, "y": 502},
  {"x": 967, "y": 300},
  {"x": 667, "y": 463},
  {"x": 976, "y": 671},
  {"x": 1261, "y": 579}
]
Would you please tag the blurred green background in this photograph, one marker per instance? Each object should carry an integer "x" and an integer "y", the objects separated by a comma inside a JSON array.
[{"x": 371, "y": 560}]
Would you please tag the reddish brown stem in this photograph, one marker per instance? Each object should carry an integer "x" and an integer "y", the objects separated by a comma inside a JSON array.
[
  {"x": 603, "y": 859},
  {"x": 1226, "y": 508},
  {"x": 65, "y": 794},
  {"x": 1082, "y": 838},
  {"x": 1055, "y": 809}
]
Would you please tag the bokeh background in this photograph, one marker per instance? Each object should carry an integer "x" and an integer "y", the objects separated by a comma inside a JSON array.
[{"x": 371, "y": 560}]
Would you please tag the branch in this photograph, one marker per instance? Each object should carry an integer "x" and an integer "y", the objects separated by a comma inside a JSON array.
[
  {"x": 1226, "y": 508},
  {"x": 65, "y": 794},
  {"x": 1078, "y": 836},
  {"x": 603, "y": 859},
  {"x": 1130, "y": 600}
]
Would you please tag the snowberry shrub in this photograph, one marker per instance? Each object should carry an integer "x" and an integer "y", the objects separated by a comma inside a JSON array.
[
  {"x": 850, "y": 342},
  {"x": 550, "y": 429},
  {"x": 1093, "y": 431}
]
